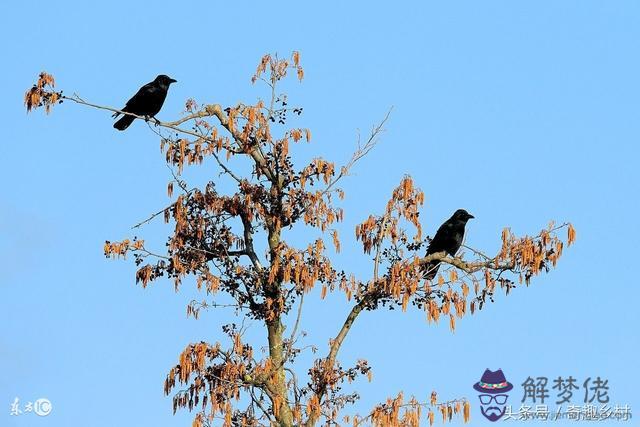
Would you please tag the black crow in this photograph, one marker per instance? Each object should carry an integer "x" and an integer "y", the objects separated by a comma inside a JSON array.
[
  {"x": 448, "y": 238},
  {"x": 146, "y": 102}
]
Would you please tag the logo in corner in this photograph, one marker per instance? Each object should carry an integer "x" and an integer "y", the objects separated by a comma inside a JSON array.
[{"x": 493, "y": 388}]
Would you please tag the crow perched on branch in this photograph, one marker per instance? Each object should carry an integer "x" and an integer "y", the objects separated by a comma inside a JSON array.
[
  {"x": 146, "y": 102},
  {"x": 448, "y": 238}
]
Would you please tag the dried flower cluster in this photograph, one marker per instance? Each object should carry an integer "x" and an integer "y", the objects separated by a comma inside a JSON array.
[{"x": 42, "y": 94}]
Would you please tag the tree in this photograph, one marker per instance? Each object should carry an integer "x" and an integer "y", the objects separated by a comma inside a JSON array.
[{"x": 231, "y": 244}]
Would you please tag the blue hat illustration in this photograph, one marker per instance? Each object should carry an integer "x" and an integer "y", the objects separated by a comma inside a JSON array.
[{"x": 493, "y": 382}]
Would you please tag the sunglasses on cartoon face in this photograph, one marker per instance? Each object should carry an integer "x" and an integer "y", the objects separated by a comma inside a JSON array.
[{"x": 500, "y": 399}]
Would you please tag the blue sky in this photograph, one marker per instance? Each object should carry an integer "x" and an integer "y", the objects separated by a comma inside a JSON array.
[{"x": 520, "y": 112}]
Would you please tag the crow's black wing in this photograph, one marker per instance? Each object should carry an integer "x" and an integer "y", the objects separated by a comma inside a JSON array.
[
  {"x": 138, "y": 102},
  {"x": 443, "y": 240},
  {"x": 146, "y": 102},
  {"x": 448, "y": 238}
]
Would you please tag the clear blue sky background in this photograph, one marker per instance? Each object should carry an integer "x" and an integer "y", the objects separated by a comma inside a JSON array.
[{"x": 520, "y": 112}]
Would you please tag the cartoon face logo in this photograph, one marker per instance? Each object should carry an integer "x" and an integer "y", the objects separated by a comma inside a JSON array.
[{"x": 493, "y": 388}]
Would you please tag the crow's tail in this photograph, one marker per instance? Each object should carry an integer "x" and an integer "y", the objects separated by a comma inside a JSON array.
[
  {"x": 124, "y": 122},
  {"x": 431, "y": 269}
]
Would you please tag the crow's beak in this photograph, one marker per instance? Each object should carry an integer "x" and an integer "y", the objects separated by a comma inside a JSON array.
[
  {"x": 470, "y": 216},
  {"x": 173, "y": 81}
]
